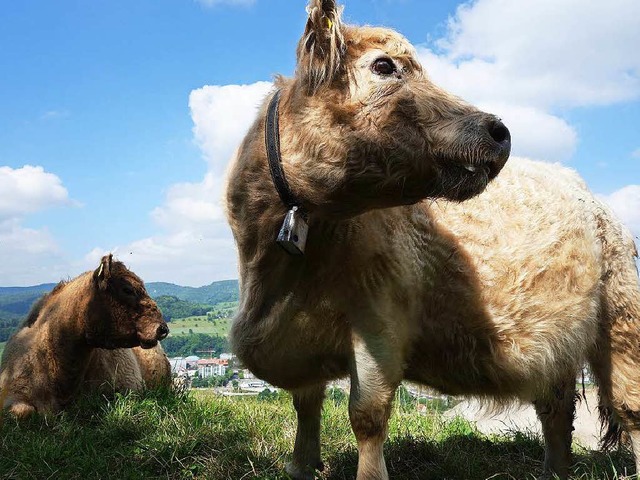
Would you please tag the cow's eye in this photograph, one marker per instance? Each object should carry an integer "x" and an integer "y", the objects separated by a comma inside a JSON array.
[
  {"x": 384, "y": 66},
  {"x": 128, "y": 290}
]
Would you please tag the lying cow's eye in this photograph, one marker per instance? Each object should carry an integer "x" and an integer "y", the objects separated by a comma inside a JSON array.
[
  {"x": 383, "y": 66},
  {"x": 128, "y": 290}
]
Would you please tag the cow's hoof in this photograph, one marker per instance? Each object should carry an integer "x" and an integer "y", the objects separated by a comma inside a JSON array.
[
  {"x": 550, "y": 476},
  {"x": 302, "y": 473}
]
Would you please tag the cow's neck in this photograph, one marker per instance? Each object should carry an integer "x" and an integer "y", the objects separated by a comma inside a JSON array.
[{"x": 270, "y": 276}]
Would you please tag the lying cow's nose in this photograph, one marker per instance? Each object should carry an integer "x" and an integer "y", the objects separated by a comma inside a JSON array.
[{"x": 162, "y": 332}]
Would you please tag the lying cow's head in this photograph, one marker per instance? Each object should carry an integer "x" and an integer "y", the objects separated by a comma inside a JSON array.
[
  {"x": 363, "y": 127},
  {"x": 122, "y": 314}
]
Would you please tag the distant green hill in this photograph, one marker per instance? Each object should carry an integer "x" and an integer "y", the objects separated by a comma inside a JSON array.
[
  {"x": 36, "y": 289},
  {"x": 173, "y": 307},
  {"x": 217, "y": 292},
  {"x": 15, "y": 303}
]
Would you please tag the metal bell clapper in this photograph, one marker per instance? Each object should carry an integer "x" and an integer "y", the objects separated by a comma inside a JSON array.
[{"x": 293, "y": 233}]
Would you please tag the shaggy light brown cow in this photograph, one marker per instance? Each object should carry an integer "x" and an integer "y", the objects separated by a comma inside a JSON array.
[
  {"x": 60, "y": 348},
  {"x": 503, "y": 296}
]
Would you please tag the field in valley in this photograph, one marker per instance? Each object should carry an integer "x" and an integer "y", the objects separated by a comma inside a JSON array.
[{"x": 200, "y": 324}]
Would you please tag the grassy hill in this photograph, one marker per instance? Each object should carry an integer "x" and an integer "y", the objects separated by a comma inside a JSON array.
[
  {"x": 216, "y": 292},
  {"x": 200, "y": 324},
  {"x": 15, "y": 302},
  {"x": 201, "y": 435},
  {"x": 35, "y": 289}
]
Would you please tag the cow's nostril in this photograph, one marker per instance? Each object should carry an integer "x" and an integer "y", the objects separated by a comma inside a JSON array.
[
  {"x": 499, "y": 132},
  {"x": 162, "y": 332}
]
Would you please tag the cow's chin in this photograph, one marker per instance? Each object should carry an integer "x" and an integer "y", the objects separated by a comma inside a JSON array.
[
  {"x": 459, "y": 183},
  {"x": 147, "y": 344},
  {"x": 112, "y": 344}
]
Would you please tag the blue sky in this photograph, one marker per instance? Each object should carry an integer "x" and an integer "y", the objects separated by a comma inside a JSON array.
[{"x": 118, "y": 117}]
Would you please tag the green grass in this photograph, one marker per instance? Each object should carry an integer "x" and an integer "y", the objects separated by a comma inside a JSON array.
[
  {"x": 2, "y": 344},
  {"x": 199, "y": 435},
  {"x": 200, "y": 324}
]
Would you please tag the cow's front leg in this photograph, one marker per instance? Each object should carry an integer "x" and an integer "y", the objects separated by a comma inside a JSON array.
[
  {"x": 375, "y": 374},
  {"x": 306, "y": 453}
]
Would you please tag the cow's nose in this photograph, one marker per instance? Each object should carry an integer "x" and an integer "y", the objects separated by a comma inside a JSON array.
[
  {"x": 499, "y": 132},
  {"x": 162, "y": 332}
]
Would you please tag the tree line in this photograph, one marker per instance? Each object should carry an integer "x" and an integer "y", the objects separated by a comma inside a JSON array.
[
  {"x": 195, "y": 344},
  {"x": 172, "y": 307},
  {"x": 8, "y": 326}
]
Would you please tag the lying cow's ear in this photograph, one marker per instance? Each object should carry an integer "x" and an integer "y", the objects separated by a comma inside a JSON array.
[
  {"x": 103, "y": 273},
  {"x": 321, "y": 49}
]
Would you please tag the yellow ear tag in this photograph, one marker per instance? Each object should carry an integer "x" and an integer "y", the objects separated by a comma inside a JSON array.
[{"x": 329, "y": 23}]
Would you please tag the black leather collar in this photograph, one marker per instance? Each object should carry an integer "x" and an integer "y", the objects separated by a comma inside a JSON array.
[{"x": 272, "y": 142}]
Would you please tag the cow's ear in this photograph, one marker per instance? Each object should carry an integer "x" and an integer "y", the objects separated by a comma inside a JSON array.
[
  {"x": 102, "y": 274},
  {"x": 322, "y": 48}
]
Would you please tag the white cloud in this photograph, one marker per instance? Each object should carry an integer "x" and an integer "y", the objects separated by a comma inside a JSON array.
[
  {"x": 29, "y": 189},
  {"x": 546, "y": 53},
  {"x": 196, "y": 246},
  {"x": 193, "y": 204},
  {"x": 626, "y": 204},
  {"x": 28, "y": 255},
  {"x": 16, "y": 239},
  {"x": 21, "y": 267},
  {"x": 54, "y": 114},
  {"x": 212, "y": 3},
  {"x": 221, "y": 115}
]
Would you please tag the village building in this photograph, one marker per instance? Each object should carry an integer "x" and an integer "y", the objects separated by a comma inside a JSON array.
[
  {"x": 184, "y": 366},
  {"x": 212, "y": 367}
]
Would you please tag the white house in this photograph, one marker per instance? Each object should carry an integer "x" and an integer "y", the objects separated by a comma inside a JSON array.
[{"x": 211, "y": 367}]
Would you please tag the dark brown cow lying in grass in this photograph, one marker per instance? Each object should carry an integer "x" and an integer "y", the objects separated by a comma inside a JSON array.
[
  {"x": 503, "y": 296},
  {"x": 60, "y": 348}
]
